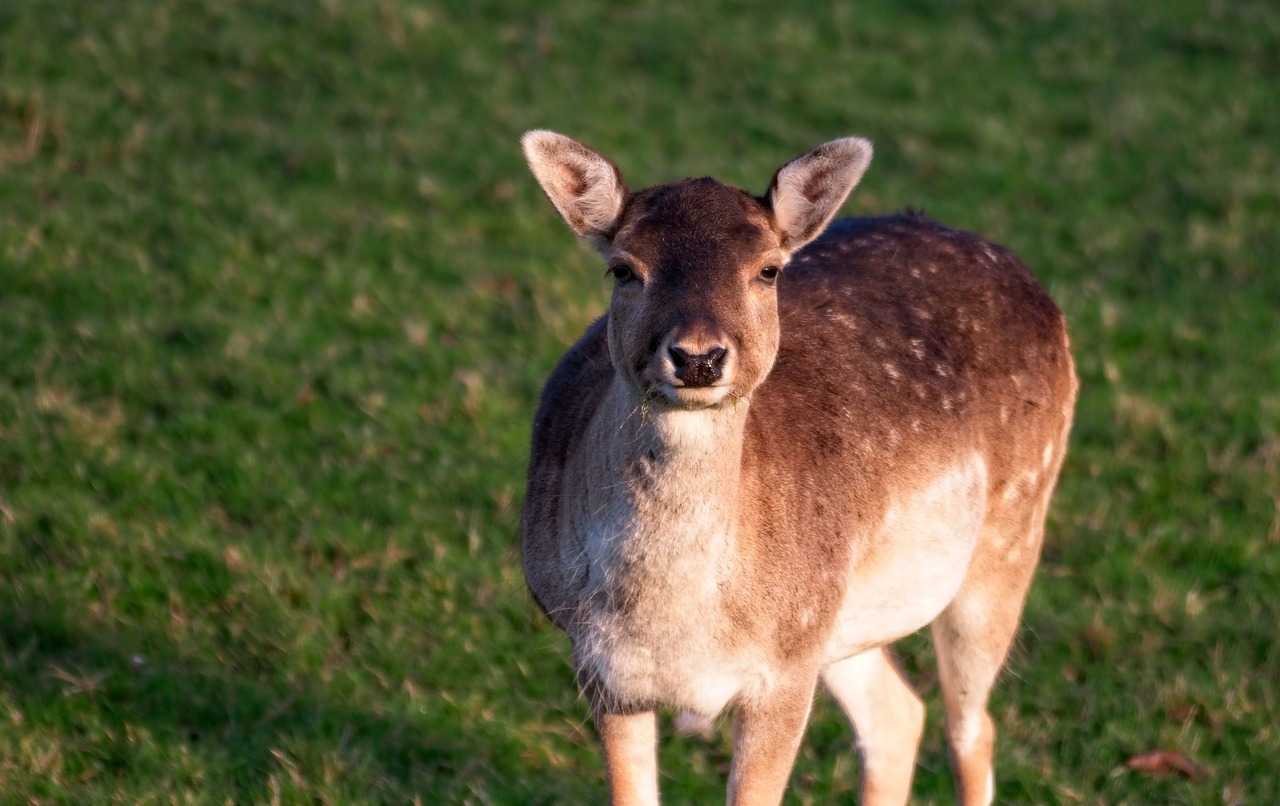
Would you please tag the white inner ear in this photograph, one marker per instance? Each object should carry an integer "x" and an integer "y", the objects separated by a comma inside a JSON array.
[
  {"x": 807, "y": 192},
  {"x": 601, "y": 200},
  {"x": 791, "y": 207},
  {"x": 583, "y": 185}
]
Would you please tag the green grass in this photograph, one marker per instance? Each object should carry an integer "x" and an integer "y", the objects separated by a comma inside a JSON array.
[{"x": 277, "y": 296}]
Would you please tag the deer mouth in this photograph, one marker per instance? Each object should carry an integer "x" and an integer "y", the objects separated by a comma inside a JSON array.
[{"x": 677, "y": 395}]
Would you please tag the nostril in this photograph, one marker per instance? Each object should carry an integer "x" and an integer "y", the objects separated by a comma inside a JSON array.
[
  {"x": 679, "y": 357},
  {"x": 715, "y": 357}
]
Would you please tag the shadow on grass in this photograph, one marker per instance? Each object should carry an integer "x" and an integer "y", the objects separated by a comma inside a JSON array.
[{"x": 118, "y": 710}]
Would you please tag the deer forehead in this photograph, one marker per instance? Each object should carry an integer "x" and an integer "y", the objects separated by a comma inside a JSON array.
[{"x": 694, "y": 224}]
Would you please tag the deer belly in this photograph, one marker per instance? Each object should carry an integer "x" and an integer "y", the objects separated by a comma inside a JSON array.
[{"x": 916, "y": 563}]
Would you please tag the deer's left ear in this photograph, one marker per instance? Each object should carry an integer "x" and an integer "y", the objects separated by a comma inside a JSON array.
[
  {"x": 584, "y": 185},
  {"x": 807, "y": 192}
]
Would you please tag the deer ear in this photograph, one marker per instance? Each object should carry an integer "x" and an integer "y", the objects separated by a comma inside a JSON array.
[
  {"x": 584, "y": 185},
  {"x": 806, "y": 193}
]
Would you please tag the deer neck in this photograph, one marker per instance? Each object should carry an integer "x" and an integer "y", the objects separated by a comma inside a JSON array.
[
  {"x": 659, "y": 536},
  {"x": 664, "y": 489}
]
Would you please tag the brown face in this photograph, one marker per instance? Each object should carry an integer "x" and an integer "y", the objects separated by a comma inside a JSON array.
[{"x": 694, "y": 317}]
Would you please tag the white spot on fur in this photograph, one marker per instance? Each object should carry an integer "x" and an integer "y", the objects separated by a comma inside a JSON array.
[
  {"x": 891, "y": 370},
  {"x": 1048, "y": 456},
  {"x": 1030, "y": 478},
  {"x": 843, "y": 319}
]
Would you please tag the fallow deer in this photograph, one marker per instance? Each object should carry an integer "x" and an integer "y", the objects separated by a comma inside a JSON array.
[{"x": 784, "y": 447}]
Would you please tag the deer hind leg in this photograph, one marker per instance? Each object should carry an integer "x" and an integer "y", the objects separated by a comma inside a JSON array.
[
  {"x": 972, "y": 637},
  {"x": 887, "y": 718}
]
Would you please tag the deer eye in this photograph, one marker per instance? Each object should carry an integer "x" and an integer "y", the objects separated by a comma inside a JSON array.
[
  {"x": 769, "y": 273},
  {"x": 622, "y": 272}
]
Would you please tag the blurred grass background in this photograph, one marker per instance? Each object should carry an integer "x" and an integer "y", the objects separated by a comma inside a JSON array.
[{"x": 277, "y": 296}]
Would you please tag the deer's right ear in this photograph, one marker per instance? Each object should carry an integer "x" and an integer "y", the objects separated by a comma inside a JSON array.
[{"x": 584, "y": 185}]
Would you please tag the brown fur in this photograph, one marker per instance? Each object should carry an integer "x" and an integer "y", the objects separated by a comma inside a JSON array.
[{"x": 889, "y": 353}]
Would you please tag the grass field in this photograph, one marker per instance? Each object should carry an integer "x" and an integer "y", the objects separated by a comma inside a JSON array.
[{"x": 277, "y": 296}]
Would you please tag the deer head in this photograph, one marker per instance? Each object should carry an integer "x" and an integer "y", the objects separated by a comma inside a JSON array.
[{"x": 693, "y": 321}]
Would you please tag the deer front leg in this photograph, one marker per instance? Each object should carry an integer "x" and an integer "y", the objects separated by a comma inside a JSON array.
[
  {"x": 630, "y": 757},
  {"x": 766, "y": 736}
]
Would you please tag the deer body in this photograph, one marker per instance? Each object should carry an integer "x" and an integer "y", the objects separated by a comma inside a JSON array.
[{"x": 782, "y": 450}]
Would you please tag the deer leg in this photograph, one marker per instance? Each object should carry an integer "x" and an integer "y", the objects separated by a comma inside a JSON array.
[
  {"x": 766, "y": 736},
  {"x": 630, "y": 757},
  {"x": 971, "y": 638},
  {"x": 887, "y": 718}
]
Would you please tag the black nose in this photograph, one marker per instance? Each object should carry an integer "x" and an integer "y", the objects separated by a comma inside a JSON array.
[{"x": 698, "y": 370}]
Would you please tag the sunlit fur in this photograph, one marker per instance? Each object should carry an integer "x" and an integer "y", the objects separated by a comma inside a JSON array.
[{"x": 873, "y": 452}]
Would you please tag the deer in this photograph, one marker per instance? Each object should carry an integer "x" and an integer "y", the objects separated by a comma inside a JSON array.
[{"x": 788, "y": 443}]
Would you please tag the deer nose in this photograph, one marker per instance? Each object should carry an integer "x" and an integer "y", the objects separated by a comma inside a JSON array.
[{"x": 703, "y": 369}]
